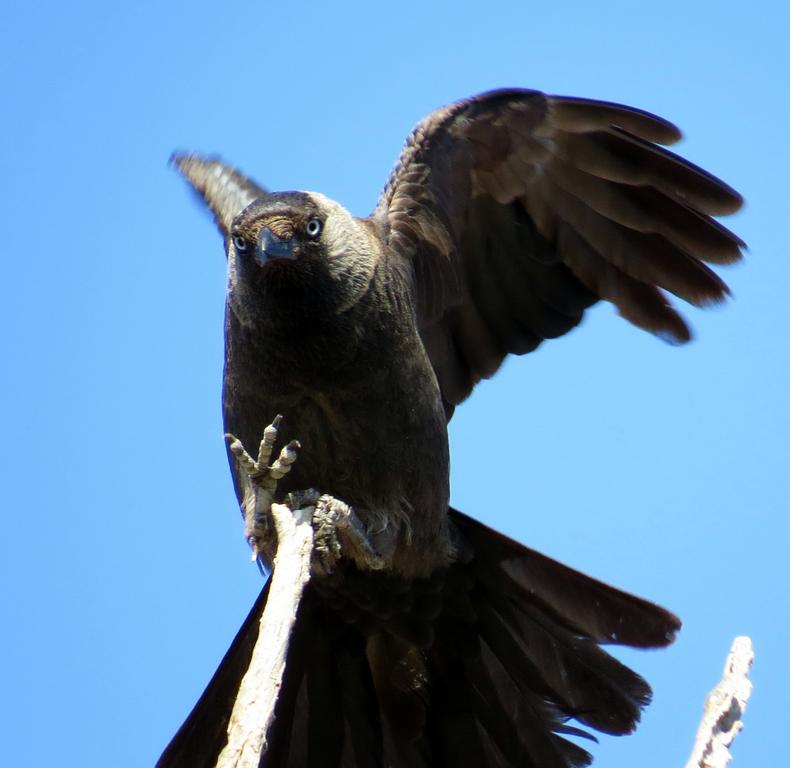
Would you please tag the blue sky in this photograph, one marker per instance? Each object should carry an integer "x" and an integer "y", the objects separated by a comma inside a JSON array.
[{"x": 662, "y": 470}]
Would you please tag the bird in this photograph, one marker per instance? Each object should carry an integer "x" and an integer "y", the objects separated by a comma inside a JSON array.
[{"x": 507, "y": 215}]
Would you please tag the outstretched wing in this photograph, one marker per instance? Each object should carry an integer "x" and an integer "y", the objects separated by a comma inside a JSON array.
[
  {"x": 226, "y": 191},
  {"x": 516, "y": 211}
]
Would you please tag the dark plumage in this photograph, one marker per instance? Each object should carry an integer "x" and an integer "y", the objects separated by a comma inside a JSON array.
[{"x": 507, "y": 215}]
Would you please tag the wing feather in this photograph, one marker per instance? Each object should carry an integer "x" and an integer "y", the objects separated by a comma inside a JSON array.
[
  {"x": 226, "y": 190},
  {"x": 584, "y": 115},
  {"x": 516, "y": 211}
]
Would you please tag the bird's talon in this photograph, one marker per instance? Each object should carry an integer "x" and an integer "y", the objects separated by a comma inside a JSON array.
[
  {"x": 339, "y": 532},
  {"x": 260, "y": 482}
]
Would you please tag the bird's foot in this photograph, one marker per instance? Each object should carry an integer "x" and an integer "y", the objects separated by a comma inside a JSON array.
[
  {"x": 339, "y": 531},
  {"x": 259, "y": 480}
]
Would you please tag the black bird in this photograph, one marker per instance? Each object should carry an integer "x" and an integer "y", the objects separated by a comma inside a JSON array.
[{"x": 507, "y": 215}]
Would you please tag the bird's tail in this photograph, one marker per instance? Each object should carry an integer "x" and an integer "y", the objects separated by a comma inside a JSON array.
[{"x": 486, "y": 664}]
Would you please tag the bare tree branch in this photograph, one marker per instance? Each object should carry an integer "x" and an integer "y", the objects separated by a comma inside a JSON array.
[
  {"x": 721, "y": 721},
  {"x": 253, "y": 710}
]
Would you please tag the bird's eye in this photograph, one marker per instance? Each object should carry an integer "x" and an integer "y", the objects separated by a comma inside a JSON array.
[
  {"x": 313, "y": 228},
  {"x": 240, "y": 243}
]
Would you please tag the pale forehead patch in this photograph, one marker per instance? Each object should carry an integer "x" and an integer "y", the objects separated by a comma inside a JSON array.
[{"x": 326, "y": 204}]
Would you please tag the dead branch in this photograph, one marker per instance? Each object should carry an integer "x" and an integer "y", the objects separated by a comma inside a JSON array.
[
  {"x": 253, "y": 710},
  {"x": 721, "y": 721}
]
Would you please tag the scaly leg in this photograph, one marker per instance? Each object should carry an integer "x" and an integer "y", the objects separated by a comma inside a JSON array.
[{"x": 259, "y": 483}]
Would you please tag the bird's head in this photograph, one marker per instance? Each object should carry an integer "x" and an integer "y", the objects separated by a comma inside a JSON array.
[
  {"x": 277, "y": 228},
  {"x": 298, "y": 251}
]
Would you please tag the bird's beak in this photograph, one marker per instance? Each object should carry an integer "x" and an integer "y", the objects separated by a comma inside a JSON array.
[{"x": 272, "y": 247}]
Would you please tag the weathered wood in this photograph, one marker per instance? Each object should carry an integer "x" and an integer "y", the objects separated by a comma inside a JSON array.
[
  {"x": 253, "y": 710},
  {"x": 722, "y": 720}
]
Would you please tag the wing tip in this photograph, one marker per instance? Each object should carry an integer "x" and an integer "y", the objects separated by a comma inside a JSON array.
[
  {"x": 192, "y": 165},
  {"x": 574, "y": 111},
  {"x": 668, "y": 633},
  {"x": 177, "y": 158},
  {"x": 732, "y": 200},
  {"x": 673, "y": 338},
  {"x": 188, "y": 165},
  {"x": 722, "y": 199}
]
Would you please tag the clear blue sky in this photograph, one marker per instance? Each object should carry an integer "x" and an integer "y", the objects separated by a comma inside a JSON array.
[{"x": 123, "y": 570}]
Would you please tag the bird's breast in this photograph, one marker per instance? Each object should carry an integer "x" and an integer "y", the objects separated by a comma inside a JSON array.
[{"x": 372, "y": 433}]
